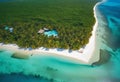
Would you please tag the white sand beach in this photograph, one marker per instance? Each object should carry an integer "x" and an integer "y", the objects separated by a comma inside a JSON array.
[{"x": 86, "y": 55}]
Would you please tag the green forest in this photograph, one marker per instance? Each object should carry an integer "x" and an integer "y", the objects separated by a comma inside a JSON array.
[{"x": 73, "y": 20}]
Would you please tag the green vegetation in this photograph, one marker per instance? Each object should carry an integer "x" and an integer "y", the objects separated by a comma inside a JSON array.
[{"x": 73, "y": 19}]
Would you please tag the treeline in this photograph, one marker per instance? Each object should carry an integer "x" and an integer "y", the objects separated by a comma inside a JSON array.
[{"x": 25, "y": 35}]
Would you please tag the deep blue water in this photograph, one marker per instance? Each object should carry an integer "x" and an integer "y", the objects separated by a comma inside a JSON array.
[
  {"x": 54, "y": 69},
  {"x": 111, "y": 11}
]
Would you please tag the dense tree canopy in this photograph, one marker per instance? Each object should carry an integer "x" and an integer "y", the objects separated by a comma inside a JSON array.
[{"x": 73, "y": 20}]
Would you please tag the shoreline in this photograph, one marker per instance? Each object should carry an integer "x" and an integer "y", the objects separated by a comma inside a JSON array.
[{"x": 89, "y": 55}]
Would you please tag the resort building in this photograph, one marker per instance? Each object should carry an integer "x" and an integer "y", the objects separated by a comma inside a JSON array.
[
  {"x": 9, "y": 28},
  {"x": 41, "y": 31},
  {"x": 48, "y": 32},
  {"x": 45, "y": 28}
]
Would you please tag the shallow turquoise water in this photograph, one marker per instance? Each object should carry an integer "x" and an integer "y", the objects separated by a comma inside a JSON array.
[
  {"x": 50, "y": 68},
  {"x": 54, "y": 69}
]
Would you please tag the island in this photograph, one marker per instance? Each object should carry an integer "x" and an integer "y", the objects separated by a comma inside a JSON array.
[{"x": 62, "y": 27}]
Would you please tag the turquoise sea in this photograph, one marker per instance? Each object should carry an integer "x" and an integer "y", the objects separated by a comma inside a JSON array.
[{"x": 53, "y": 69}]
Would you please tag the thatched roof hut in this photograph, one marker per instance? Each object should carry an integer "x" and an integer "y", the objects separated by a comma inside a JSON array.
[{"x": 41, "y": 31}]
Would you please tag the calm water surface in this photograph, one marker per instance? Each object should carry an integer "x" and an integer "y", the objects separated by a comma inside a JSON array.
[{"x": 54, "y": 69}]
